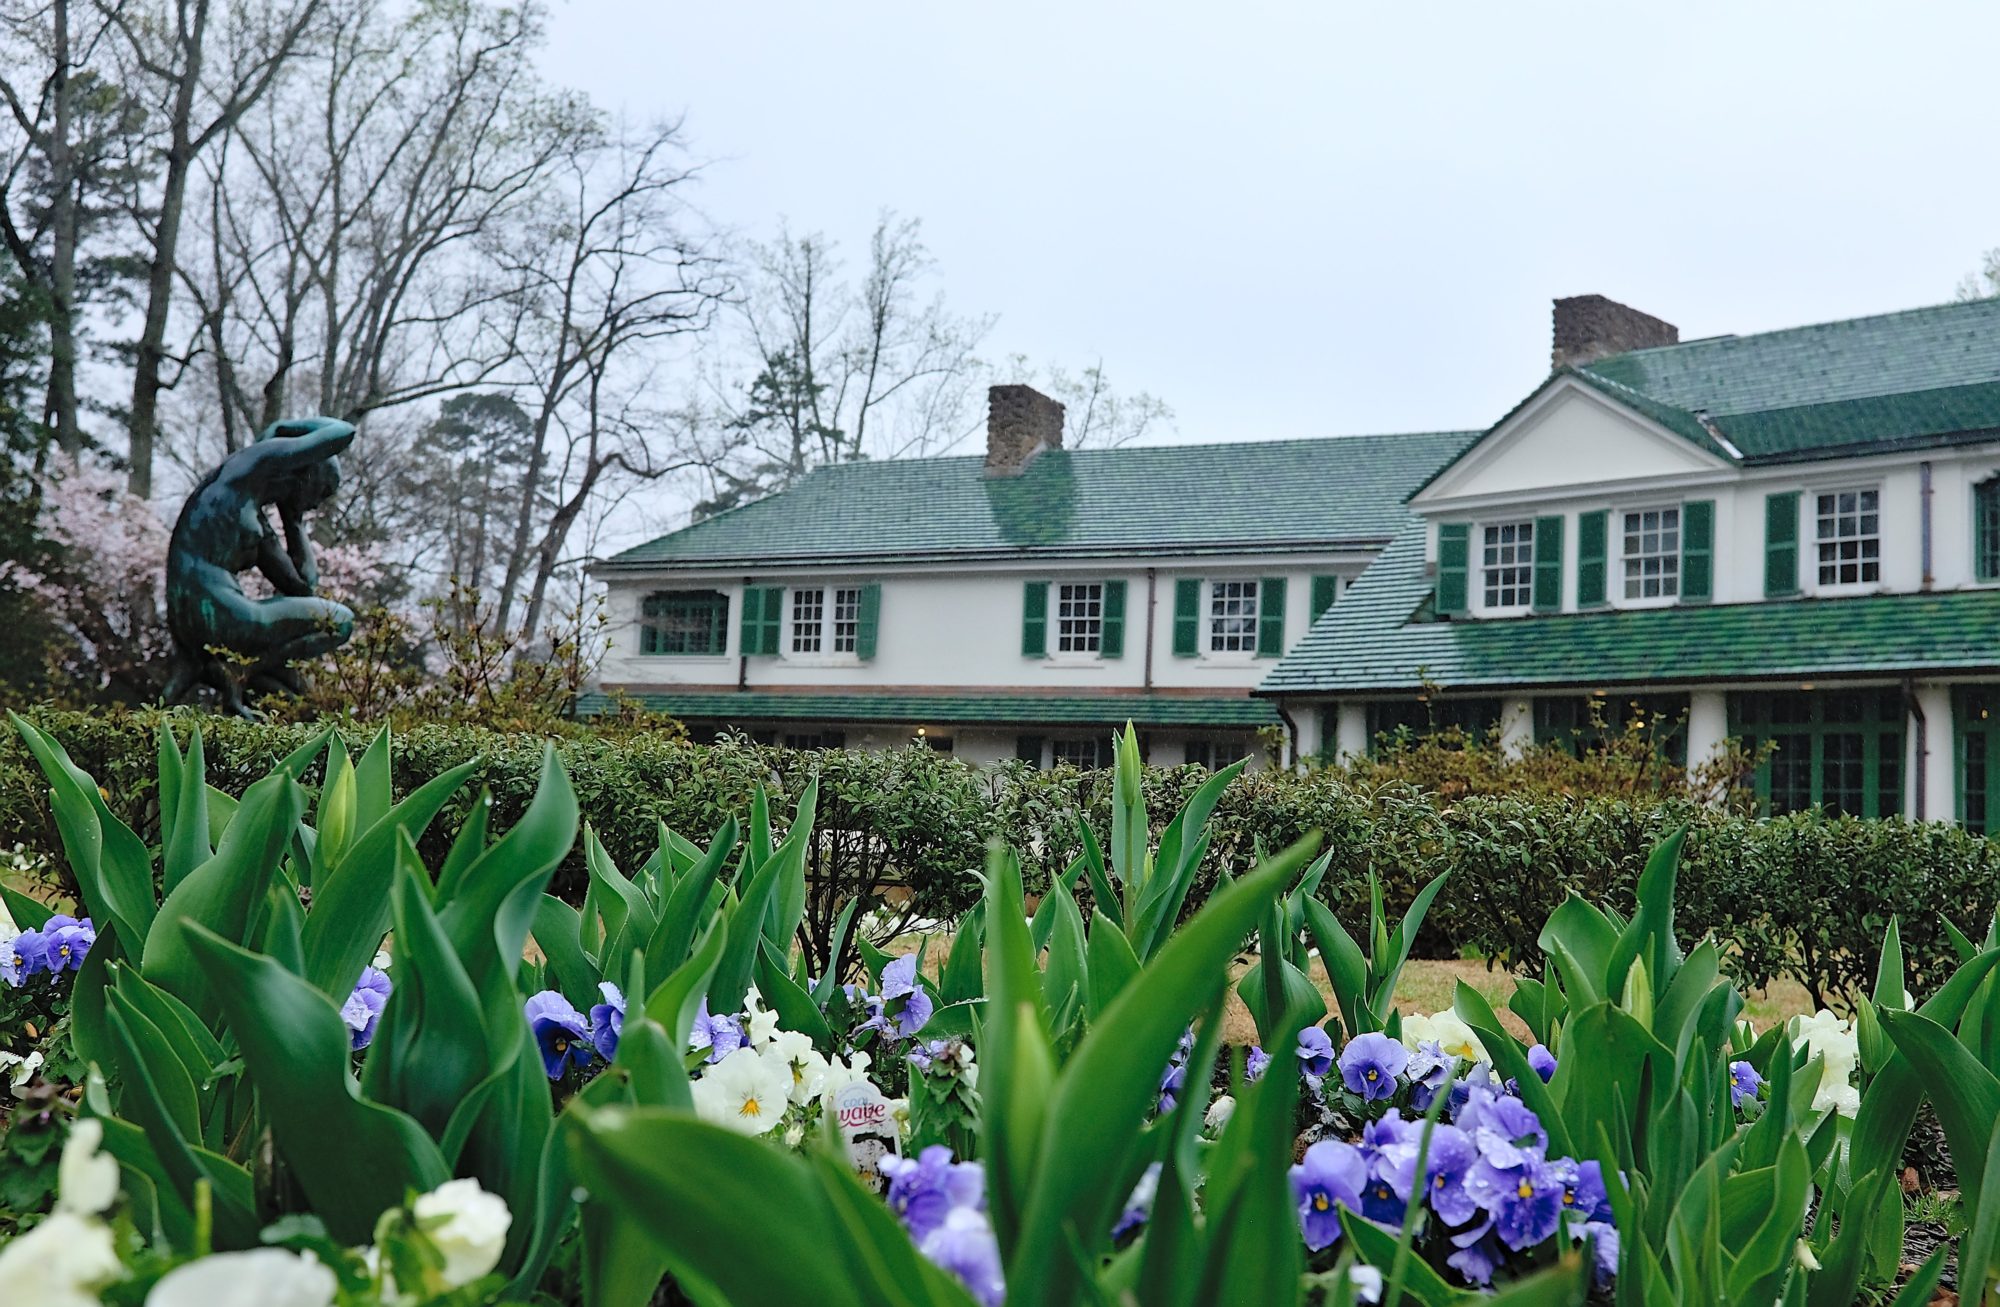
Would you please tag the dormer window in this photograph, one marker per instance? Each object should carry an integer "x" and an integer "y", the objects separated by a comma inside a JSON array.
[
  {"x": 1848, "y": 525},
  {"x": 1507, "y": 566}
]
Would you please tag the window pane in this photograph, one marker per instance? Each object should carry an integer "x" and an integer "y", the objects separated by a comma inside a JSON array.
[
  {"x": 808, "y": 611},
  {"x": 684, "y": 622},
  {"x": 1079, "y": 618},
  {"x": 846, "y": 619},
  {"x": 1507, "y": 564},
  {"x": 1232, "y": 617},
  {"x": 1847, "y": 531},
  {"x": 1076, "y": 753},
  {"x": 1653, "y": 553}
]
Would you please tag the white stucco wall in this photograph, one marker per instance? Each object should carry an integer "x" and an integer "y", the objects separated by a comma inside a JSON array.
[{"x": 960, "y": 628}]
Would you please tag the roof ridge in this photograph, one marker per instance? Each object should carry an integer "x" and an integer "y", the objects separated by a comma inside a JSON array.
[
  {"x": 1096, "y": 451},
  {"x": 1990, "y": 304}
]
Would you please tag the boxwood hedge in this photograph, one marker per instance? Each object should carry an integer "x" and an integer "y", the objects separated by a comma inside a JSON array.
[{"x": 1804, "y": 896}]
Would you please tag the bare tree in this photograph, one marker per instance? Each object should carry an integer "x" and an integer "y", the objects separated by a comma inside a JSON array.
[
  {"x": 615, "y": 275},
  {"x": 202, "y": 64},
  {"x": 357, "y": 217},
  {"x": 1095, "y": 414}
]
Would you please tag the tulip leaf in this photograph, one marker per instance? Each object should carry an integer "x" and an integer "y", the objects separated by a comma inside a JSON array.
[
  {"x": 683, "y": 915},
  {"x": 114, "y": 872},
  {"x": 1111, "y": 961},
  {"x": 352, "y": 1158},
  {"x": 1966, "y": 1094}
]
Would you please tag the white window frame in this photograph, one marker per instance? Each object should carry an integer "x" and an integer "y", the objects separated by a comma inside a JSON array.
[
  {"x": 837, "y": 625},
  {"x": 1526, "y": 566},
  {"x": 1812, "y": 539},
  {"x": 1621, "y": 598},
  {"x": 1251, "y": 593},
  {"x": 1059, "y": 743},
  {"x": 1089, "y": 637}
]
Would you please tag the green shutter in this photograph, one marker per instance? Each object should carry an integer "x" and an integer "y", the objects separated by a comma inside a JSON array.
[
  {"x": 1698, "y": 550},
  {"x": 1781, "y": 544},
  {"x": 1591, "y": 530},
  {"x": 763, "y": 615},
  {"x": 1271, "y": 618},
  {"x": 1111, "y": 638},
  {"x": 1187, "y": 617},
  {"x": 1548, "y": 565},
  {"x": 1986, "y": 533},
  {"x": 1325, "y": 589},
  {"x": 1035, "y": 620},
  {"x": 1454, "y": 550},
  {"x": 867, "y": 621}
]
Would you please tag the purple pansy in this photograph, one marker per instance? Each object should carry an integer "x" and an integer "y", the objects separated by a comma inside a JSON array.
[
  {"x": 1315, "y": 1052},
  {"x": 924, "y": 1190},
  {"x": 1389, "y": 1147},
  {"x": 607, "y": 1020},
  {"x": 560, "y": 1031},
  {"x": 1427, "y": 1070},
  {"x": 1329, "y": 1177},
  {"x": 1525, "y": 1199},
  {"x": 1502, "y": 1126},
  {"x": 1370, "y": 1064},
  {"x": 965, "y": 1246},
  {"x": 1744, "y": 1083},
  {"x": 59, "y": 945},
  {"x": 721, "y": 1036},
  {"x": 1479, "y": 1253},
  {"x": 1542, "y": 1062},
  {"x": 1172, "y": 1080},
  {"x": 1452, "y": 1154},
  {"x": 1603, "y": 1238},
  {"x": 363, "y": 1008},
  {"x": 1583, "y": 1189},
  {"x": 1138, "y": 1207},
  {"x": 1255, "y": 1063}
]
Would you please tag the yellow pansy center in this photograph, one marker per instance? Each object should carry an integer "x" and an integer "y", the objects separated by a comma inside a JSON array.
[
  {"x": 1319, "y": 1203},
  {"x": 751, "y": 1107},
  {"x": 1372, "y": 1074},
  {"x": 1526, "y": 1190}
]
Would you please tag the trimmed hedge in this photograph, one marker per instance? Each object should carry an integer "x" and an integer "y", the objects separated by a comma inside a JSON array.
[{"x": 1802, "y": 896}]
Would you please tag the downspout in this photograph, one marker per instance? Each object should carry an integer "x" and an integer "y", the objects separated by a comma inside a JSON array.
[
  {"x": 1916, "y": 708},
  {"x": 1924, "y": 471},
  {"x": 1291, "y": 734},
  {"x": 742, "y": 657},
  {"x": 1152, "y": 599}
]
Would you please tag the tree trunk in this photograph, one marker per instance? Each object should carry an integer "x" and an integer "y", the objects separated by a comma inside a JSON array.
[
  {"x": 60, "y": 414},
  {"x": 147, "y": 383}
]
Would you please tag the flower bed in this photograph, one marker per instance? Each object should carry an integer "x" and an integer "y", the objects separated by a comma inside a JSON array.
[{"x": 315, "y": 1063}]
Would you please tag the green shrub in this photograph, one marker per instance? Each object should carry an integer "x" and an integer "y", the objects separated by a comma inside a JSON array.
[{"x": 1802, "y": 896}]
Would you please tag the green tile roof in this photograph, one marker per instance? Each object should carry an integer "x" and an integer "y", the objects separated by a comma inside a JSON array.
[
  {"x": 957, "y": 709},
  {"x": 1378, "y": 637},
  {"x": 1919, "y": 376},
  {"x": 1265, "y": 495}
]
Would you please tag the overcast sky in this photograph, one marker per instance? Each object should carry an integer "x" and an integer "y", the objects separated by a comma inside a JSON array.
[{"x": 1290, "y": 220}]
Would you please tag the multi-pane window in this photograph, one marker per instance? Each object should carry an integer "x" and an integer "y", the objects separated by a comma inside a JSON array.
[
  {"x": 1848, "y": 529},
  {"x": 1215, "y": 753},
  {"x": 815, "y": 739},
  {"x": 1079, "y": 618},
  {"x": 1986, "y": 530},
  {"x": 1086, "y": 753},
  {"x": 1653, "y": 553},
  {"x": 1840, "y": 750},
  {"x": 1975, "y": 709},
  {"x": 684, "y": 622},
  {"x": 819, "y": 626},
  {"x": 846, "y": 618},
  {"x": 1507, "y": 564},
  {"x": 808, "y": 615},
  {"x": 1232, "y": 617}
]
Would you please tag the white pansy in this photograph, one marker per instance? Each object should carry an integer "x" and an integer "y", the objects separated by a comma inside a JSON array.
[
  {"x": 19, "y": 1070},
  {"x": 1832, "y": 1039},
  {"x": 382, "y": 960},
  {"x": 1219, "y": 1113},
  {"x": 1449, "y": 1032},
  {"x": 746, "y": 1091},
  {"x": 840, "y": 1074},
  {"x": 261, "y": 1277},
  {"x": 468, "y": 1225},
  {"x": 86, "y": 1180},
  {"x": 807, "y": 1068},
  {"x": 760, "y": 1024},
  {"x": 1367, "y": 1281},
  {"x": 61, "y": 1262}
]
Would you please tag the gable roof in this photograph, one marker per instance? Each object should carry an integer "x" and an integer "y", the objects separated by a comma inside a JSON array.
[
  {"x": 1913, "y": 379},
  {"x": 1263, "y": 495},
  {"x": 1380, "y": 637}
]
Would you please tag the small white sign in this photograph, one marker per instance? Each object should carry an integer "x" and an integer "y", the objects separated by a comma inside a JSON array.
[{"x": 868, "y": 1124}]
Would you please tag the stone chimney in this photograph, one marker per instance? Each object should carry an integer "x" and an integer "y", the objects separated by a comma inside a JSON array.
[
  {"x": 1020, "y": 423},
  {"x": 1590, "y": 327}
]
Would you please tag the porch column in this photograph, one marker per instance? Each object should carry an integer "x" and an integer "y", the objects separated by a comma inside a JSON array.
[
  {"x": 1517, "y": 726},
  {"x": 1939, "y": 796},
  {"x": 1351, "y": 730},
  {"x": 1707, "y": 728}
]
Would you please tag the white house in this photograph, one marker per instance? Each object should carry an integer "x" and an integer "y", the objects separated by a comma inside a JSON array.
[
  {"x": 1792, "y": 537},
  {"x": 1018, "y": 604}
]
